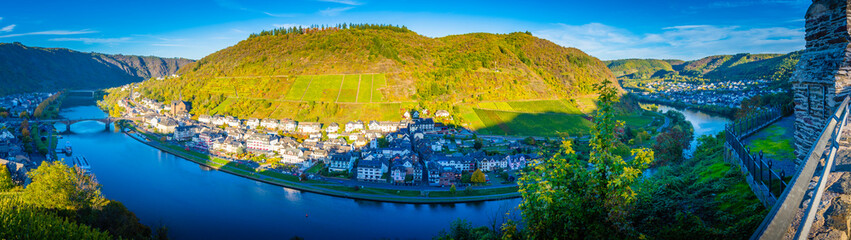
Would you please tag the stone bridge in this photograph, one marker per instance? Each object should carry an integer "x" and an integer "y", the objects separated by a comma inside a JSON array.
[{"x": 68, "y": 122}]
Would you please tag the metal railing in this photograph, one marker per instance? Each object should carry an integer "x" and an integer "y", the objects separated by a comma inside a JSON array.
[
  {"x": 757, "y": 120},
  {"x": 757, "y": 166},
  {"x": 777, "y": 223}
]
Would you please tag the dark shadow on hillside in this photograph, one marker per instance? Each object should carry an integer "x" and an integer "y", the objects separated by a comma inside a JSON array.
[{"x": 546, "y": 124}]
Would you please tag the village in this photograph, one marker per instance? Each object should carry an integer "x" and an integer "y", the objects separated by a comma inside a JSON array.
[
  {"x": 416, "y": 151},
  {"x": 16, "y": 143},
  {"x": 728, "y": 94}
]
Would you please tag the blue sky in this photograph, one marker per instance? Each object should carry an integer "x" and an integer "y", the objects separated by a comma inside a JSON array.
[{"x": 613, "y": 29}]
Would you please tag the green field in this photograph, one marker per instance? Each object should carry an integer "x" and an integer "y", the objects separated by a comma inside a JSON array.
[
  {"x": 352, "y": 88},
  {"x": 296, "y": 91},
  {"x": 365, "y": 91},
  {"x": 380, "y": 81},
  {"x": 323, "y": 88},
  {"x": 531, "y": 124},
  {"x": 349, "y": 92}
]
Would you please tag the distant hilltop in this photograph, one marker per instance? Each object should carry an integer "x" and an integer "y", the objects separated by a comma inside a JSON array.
[
  {"x": 29, "y": 69},
  {"x": 772, "y": 67}
]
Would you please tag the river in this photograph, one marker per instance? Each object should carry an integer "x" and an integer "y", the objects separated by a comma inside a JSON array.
[
  {"x": 164, "y": 190},
  {"x": 703, "y": 123}
]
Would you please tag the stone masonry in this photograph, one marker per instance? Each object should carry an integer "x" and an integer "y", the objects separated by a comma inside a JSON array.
[{"x": 821, "y": 79}]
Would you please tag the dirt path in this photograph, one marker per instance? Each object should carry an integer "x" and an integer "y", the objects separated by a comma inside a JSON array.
[
  {"x": 357, "y": 95},
  {"x": 305, "y": 90},
  {"x": 667, "y": 122},
  {"x": 341, "y": 89}
]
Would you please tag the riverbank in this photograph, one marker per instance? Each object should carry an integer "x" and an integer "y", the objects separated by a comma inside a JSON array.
[
  {"x": 716, "y": 110},
  {"x": 329, "y": 188}
]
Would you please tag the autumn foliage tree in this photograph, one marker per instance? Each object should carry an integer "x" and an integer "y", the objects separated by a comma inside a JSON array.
[
  {"x": 670, "y": 145},
  {"x": 566, "y": 198},
  {"x": 6, "y": 182},
  {"x": 478, "y": 177}
]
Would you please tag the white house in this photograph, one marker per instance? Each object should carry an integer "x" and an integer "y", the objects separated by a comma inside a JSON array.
[
  {"x": 354, "y": 126},
  {"x": 252, "y": 123},
  {"x": 166, "y": 126},
  {"x": 292, "y": 156},
  {"x": 371, "y": 170},
  {"x": 259, "y": 141},
  {"x": 333, "y": 128},
  {"x": 269, "y": 123},
  {"x": 441, "y": 113},
  {"x": 183, "y": 133},
  {"x": 309, "y": 127},
  {"x": 290, "y": 125},
  {"x": 205, "y": 119}
]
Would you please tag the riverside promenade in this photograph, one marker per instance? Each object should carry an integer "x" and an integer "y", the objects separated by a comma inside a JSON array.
[{"x": 321, "y": 187}]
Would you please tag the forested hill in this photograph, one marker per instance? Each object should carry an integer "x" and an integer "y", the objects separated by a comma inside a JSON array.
[
  {"x": 27, "y": 69},
  {"x": 775, "y": 67},
  {"x": 459, "y": 68}
]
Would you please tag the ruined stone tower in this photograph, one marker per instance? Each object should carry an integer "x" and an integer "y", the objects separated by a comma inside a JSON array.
[{"x": 821, "y": 79}]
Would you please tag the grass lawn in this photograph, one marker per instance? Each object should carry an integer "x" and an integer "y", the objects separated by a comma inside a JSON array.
[
  {"x": 775, "y": 144},
  {"x": 316, "y": 168},
  {"x": 476, "y": 192},
  {"x": 639, "y": 120}
]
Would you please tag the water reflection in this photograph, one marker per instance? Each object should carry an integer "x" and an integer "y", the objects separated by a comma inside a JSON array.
[{"x": 703, "y": 123}]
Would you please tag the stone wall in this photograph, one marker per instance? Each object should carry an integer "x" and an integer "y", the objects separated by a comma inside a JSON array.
[{"x": 821, "y": 79}]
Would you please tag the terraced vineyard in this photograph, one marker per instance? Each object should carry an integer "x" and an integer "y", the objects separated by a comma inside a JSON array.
[
  {"x": 524, "y": 118},
  {"x": 348, "y": 88}
]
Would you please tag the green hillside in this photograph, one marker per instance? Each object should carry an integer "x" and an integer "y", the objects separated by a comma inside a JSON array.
[
  {"x": 29, "y": 69},
  {"x": 376, "y": 72},
  {"x": 774, "y": 67}
]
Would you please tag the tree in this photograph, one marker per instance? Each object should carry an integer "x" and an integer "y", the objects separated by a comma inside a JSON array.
[
  {"x": 566, "y": 198},
  {"x": 452, "y": 189},
  {"x": 670, "y": 145},
  {"x": 478, "y": 144},
  {"x": 56, "y": 185},
  {"x": 6, "y": 182},
  {"x": 478, "y": 177}
]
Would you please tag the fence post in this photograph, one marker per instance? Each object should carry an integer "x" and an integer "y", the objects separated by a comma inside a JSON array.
[{"x": 769, "y": 163}]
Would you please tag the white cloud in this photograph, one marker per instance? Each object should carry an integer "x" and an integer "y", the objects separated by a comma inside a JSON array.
[
  {"x": 334, "y": 11},
  {"x": 51, "y": 32},
  {"x": 1, "y": 18},
  {"x": 346, "y": 2},
  {"x": 92, "y": 40},
  {"x": 7, "y": 28},
  {"x": 679, "y": 42},
  {"x": 280, "y": 14}
]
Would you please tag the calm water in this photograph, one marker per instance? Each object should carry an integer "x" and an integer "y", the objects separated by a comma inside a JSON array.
[
  {"x": 196, "y": 204},
  {"x": 703, "y": 123}
]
